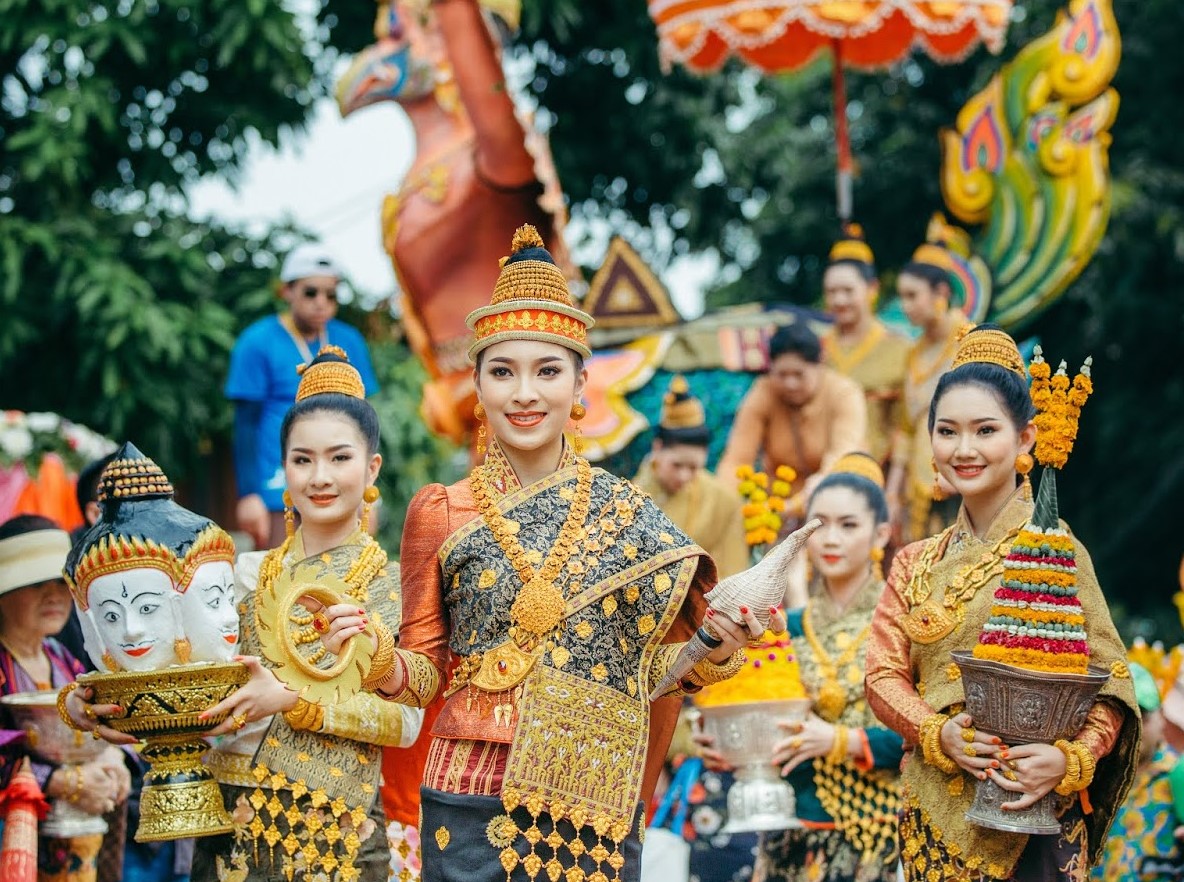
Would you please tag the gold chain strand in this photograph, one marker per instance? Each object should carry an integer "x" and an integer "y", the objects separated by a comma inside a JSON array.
[
  {"x": 967, "y": 582},
  {"x": 832, "y": 697}
]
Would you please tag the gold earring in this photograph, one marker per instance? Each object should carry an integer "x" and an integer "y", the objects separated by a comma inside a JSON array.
[
  {"x": 109, "y": 661},
  {"x": 941, "y": 306},
  {"x": 1023, "y": 465},
  {"x": 289, "y": 516},
  {"x": 878, "y": 563},
  {"x": 479, "y": 413},
  {"x": 184, "y": 649},
  {"x": 937, "y": 493},
  {"x": 578, "y": 411},
  {"x": 369, "y": 497}
]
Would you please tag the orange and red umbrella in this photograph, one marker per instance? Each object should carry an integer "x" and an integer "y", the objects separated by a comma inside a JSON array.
[{"x": 780, "y": 36}]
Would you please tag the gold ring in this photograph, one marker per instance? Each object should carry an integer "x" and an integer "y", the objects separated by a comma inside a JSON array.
[
  {"x": 88, "y": 711},
  {"x": 238, "y": 721},
  {"x": 969, "y": 750},
  {"x": 94, "y": 733},
  {"x": 320, "y": 622},
  {"x": 795, "y": 744},
  {"x": 1010, "y": 775},
  {"x": 968, "y": 734}
]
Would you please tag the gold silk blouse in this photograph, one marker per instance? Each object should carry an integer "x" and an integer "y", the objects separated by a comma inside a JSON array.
[{"x": 880, "y": 373}]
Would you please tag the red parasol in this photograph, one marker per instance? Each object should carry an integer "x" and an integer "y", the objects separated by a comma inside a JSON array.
[
  {"x": 23, "y": 805},
  {"x": 779, "y": 36}
]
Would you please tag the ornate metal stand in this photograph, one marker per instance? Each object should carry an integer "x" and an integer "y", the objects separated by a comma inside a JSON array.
[
  {"x": 1023, "y": 707},
  {"x": 760, "y": 799},
  {"x": 180, "y": 797}
]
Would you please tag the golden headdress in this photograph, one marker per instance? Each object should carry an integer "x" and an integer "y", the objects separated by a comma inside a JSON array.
[
  {"x": 935, "y": 256},
  {"x": 320, "y": 377},
  {"x": 861, "y": 464},
  {"x": 531, "y": 301},
  {"x": 989, "y": 345},
  {"x": 681, "y": 409},
  {"x": 852, "y": 246}
]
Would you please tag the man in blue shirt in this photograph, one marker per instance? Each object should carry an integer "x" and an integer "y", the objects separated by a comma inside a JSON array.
[{"x": 263, "y": 381}]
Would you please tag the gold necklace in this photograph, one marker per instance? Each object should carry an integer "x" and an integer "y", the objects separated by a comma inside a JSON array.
[
  {"x": 844, "y": 362},
  {"x": 832, "y": 697},
  {"x": 917, "y": 377},
  {"x": 964, "y": 585},
  {"x": 538, "y": 608},
  {"x": 359, "y": 576}
]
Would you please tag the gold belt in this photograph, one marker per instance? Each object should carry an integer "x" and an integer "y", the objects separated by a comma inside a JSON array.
[{"x": 231, "y": 768}]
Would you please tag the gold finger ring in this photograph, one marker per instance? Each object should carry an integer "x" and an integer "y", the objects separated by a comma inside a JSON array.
[
  {"x": 969, "y": 750},
  {"x": 1010, "y": 775},
  {"x": 88, "y": 710},
  {"x": 320, "y": 622},
  {"x": 795, "y": 744},
  {"x": 968, "y": 734},
  {"x": 238, "y": 721},
  {"x": 94, "y": 733}
]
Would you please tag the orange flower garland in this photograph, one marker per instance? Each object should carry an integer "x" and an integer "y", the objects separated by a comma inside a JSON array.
[{"x": 764, "y": 502}]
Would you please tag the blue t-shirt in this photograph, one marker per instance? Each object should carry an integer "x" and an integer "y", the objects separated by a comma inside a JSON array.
[{"x": 263, "y": 370}]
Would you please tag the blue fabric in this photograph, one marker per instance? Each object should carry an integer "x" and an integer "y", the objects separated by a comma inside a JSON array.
[
  {"x": 263, "y": 369},
  {"x": 887, "y": 747},
  {"x": 151, "y": 864}
]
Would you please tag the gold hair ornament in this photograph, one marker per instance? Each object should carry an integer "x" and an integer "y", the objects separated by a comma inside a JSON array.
[
  {"x": 852, "y": 246},
  {"x": 990, "y": 346},
  {"x": 859, "y": 464},
  {"x": 319, "y": 378}
]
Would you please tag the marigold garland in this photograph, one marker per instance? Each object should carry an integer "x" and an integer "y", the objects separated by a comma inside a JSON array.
[
  {"x": 765, "y": 500},
  {"x": 1058, "y": 403}
]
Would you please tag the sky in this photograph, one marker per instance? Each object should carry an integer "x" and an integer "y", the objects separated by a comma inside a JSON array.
[{"x": 330, "y": 179}]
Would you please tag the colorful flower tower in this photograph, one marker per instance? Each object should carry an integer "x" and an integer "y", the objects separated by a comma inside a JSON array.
[{"x": 1029, "y": 679}]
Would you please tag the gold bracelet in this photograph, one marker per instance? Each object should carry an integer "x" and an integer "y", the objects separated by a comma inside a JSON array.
[
  {"x": 72, "y": 788},
  {"x": 931, "y": 750},
  {"x": 707, "y": 672},
  {"x": 63, "y": 694},
  {"x": 1073, "y": 781},
  {"x": 838, "y": 750},
  {"x": 306, "y": 715},
  {"x": 383, "y": 660}
]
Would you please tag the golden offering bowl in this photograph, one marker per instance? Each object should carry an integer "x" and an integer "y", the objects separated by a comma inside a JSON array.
[{"x": 180, "y": 797}]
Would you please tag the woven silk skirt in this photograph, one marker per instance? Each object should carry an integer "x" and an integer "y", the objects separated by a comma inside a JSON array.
[{"x": 463, "y": 839}]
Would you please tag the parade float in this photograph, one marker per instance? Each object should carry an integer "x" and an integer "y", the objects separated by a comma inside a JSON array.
[{"x": 1024, "y": 166}]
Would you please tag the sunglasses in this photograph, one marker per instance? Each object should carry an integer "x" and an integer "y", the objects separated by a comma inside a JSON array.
[{"x": 311, "y": 292}]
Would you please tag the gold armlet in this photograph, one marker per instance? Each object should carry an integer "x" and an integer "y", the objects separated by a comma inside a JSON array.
[
  {"x": 421, "y": 680},
  {"x": 707, "y": 672},
  {"x": 63, "y": 694},
  {"x": 930, "y": 740},
  {"x": 383, "y": 660},
  {"x": 1079, "y": 767},
  {"x": 838, "y": 750},
  {"x": 305, "y": 715}
]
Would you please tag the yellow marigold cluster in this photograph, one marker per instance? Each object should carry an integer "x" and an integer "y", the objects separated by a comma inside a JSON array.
[
  {"x": 770, "y": 673},
  {"x": 1058, "y": 403},
  {"x": 764, "y": 501}
]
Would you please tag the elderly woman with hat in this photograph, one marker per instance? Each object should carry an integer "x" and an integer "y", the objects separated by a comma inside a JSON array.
[{"x": 34, "y": 605}]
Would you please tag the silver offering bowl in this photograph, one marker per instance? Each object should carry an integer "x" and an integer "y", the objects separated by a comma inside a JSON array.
[
  {"x": 1023, "y": 707},
  {"x": 51, "y": 740},
  {"x": 760, "y": 799}
]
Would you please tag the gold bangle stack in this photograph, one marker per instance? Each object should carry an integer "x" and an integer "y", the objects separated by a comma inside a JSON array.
[
  {"x": 838, "y": 750},
  {"x": 707, "y": 672},
  {"x": 383, "y": 660},
  {"x": 63, "y": 694},
  {"x": 73, "y": 786},
  {"x": 930, "y": 738},
  {"x": 1080, "y": 766},
  {"x": 305, "y": 715}
]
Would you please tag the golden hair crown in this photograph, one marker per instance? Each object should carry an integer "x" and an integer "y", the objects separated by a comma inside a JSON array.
[
  {"x": 852, "y": 246},
  {"x": 681, "y": 409},
  {"x": 860, "y": 464},
  {"x": 989, "y": 346},
  {"x": 323, "y": 377},
  {"x": 531, "y": 301},
  {"x": 934, "y": 255}
]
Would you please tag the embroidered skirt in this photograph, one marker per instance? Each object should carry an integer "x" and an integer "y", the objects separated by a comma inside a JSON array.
[
  {"x": 241, "y": 857},
  {"x": 819, "y": 856},
  {"x": 463, "y": 839}
]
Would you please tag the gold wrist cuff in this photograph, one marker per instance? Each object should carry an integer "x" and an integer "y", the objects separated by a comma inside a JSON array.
[
  {"x": 930, "y": 743},
  {"x": 63, "y": 694},
  {"x": 383, "y": 660},
  {"x": 707, "y": 672},
  {"x": 305, "y": 715}
]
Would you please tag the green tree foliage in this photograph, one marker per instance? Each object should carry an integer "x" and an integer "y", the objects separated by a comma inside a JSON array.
[{"x": 744, "y": 165}]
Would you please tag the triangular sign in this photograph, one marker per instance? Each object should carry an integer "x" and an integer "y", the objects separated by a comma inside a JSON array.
[{"x": 625, "y": 293}]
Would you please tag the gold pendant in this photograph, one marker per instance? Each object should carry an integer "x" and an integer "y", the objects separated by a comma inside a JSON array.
[
  {"x": 538, "y": 608},
  {"x": 503, "y": 668},
  {"x": 928, "y": 623},
  {"x": 832, "y": 701}
]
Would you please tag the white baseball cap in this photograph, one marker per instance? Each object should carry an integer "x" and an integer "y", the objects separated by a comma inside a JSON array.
[{"x": 308, "y": 260}]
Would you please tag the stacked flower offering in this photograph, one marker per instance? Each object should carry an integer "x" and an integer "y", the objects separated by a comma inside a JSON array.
[{"x": 770, "y": 674}]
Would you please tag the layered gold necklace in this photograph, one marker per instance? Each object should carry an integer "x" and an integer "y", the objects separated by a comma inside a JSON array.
[
  {"x": 832, "y": 696},
  {"x": 538, "y": 607}
]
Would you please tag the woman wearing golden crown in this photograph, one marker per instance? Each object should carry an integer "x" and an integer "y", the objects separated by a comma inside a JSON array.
[
  {"x": 939, "y": 597},
  {"x": 922, "y": 506},
  {"x": 557, "y": 590},
  {"x": 859, "y": 345}
]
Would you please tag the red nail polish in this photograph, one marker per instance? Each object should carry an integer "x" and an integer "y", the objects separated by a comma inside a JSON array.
[
  {"x": 772, "y": 610},
  {"x": 361, "y": 612},
  {"x": 743, "y": 610},
  {"x": 710, "y": 613}
]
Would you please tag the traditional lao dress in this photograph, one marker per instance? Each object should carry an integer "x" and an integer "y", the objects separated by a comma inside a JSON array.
[
  {"x": 305, "y": 800},
  {"x": 848, "y": 808},
  {"x": 538, "y": 766},
  {"x": 877, "y": 364},
  {"x": 938, "y": 596}
]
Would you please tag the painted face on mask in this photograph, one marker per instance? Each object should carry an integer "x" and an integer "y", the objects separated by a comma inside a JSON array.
[
  {"x": 132, "y": 620},
  {"x": 208, "y": 613}
]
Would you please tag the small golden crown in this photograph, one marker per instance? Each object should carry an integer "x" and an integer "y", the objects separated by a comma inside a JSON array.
[
  {"x": 212, "y": 544},
  {"x": 133, "y": 477},
  {"x": 319, "y": 378},
  {"x": 989, "y": 346},
  {"x": 934, "y": 255},
  {"x": 852, "y": 246},
  {"x": 860, "y": 464},
  {"x": 115, "y": 554},
  {"x": 1058, "y": 408},
  {"x": 680, "y": 409}
]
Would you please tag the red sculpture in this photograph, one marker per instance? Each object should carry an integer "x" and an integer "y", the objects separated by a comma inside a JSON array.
[{"x": 479, "y": 171}]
